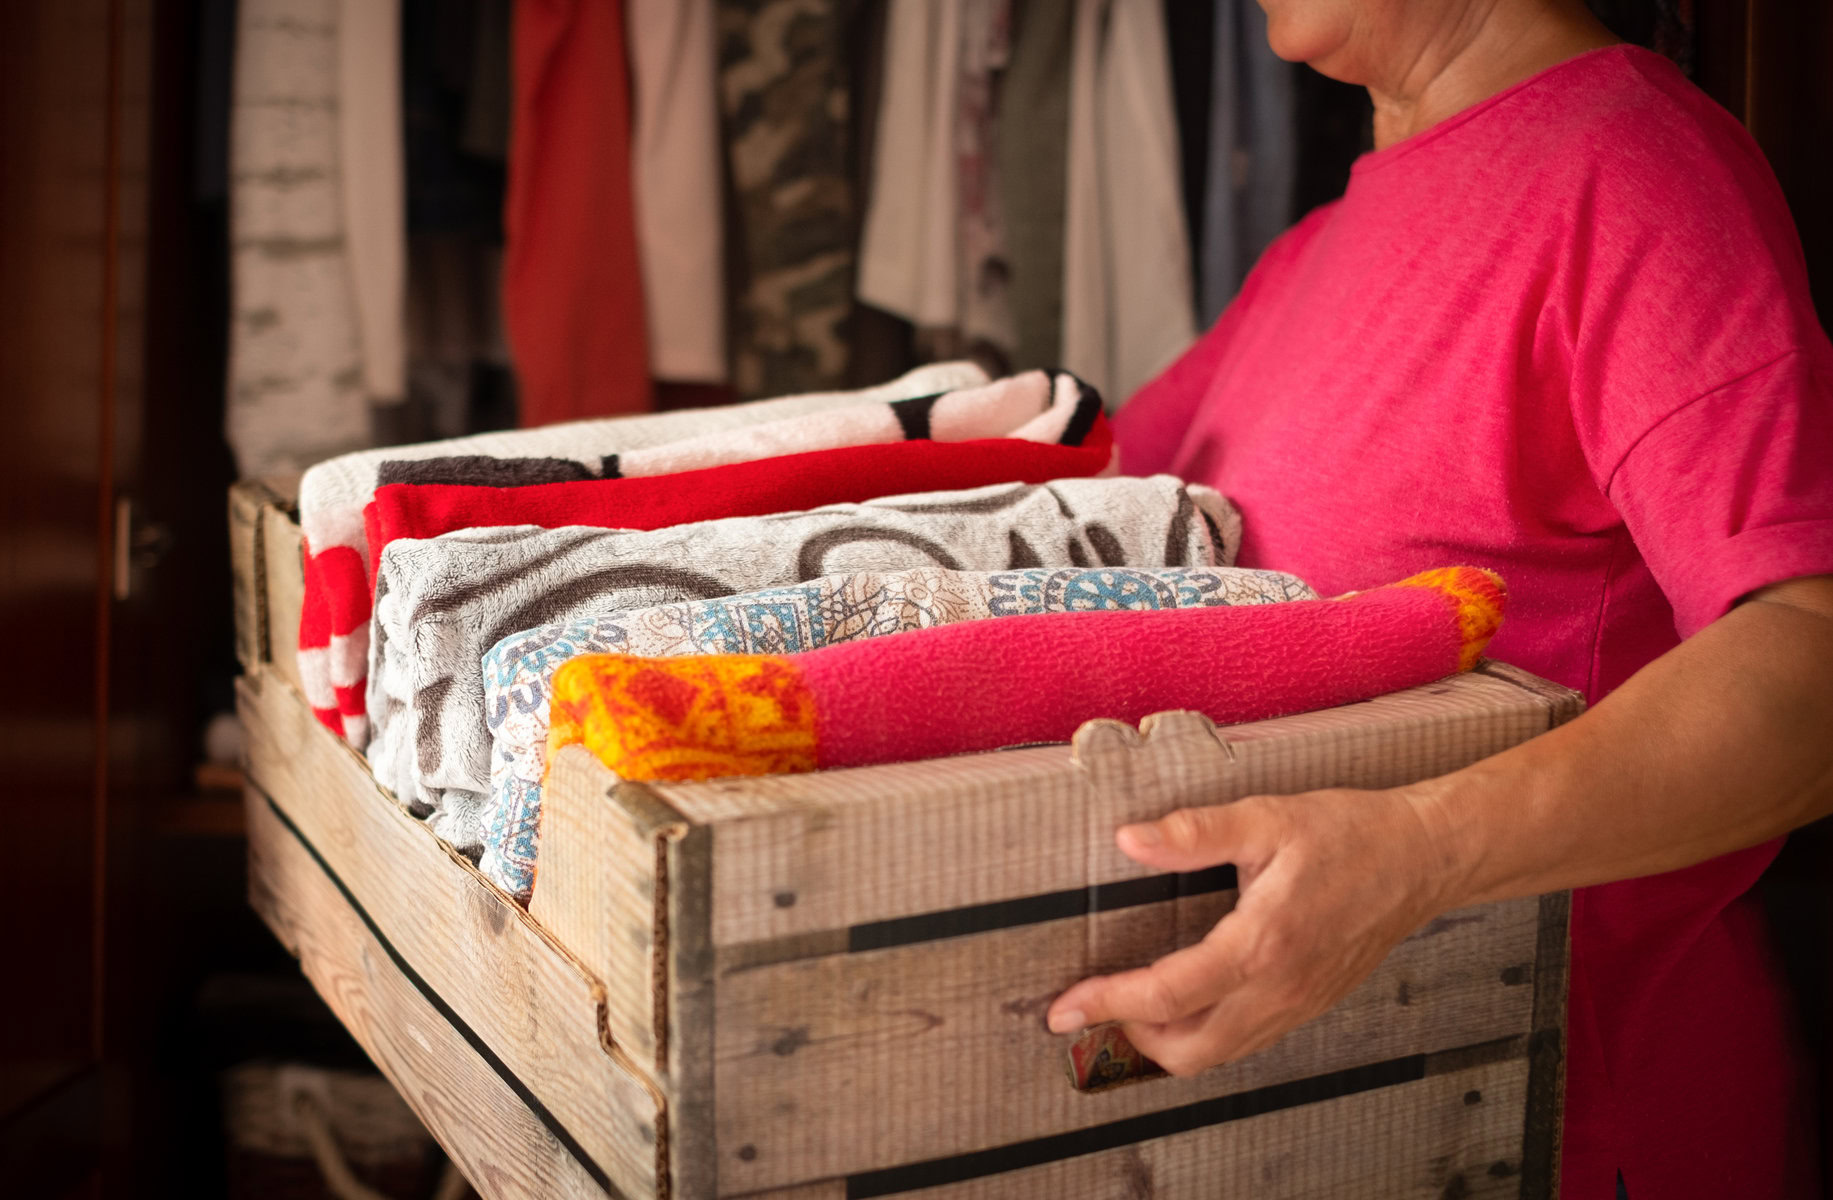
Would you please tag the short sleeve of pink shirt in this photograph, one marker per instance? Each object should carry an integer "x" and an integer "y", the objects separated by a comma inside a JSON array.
[{"x": 1565, "y": 334}]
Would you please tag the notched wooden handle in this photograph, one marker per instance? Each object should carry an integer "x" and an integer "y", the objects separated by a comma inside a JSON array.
[{"x": 1172, "y": 760}]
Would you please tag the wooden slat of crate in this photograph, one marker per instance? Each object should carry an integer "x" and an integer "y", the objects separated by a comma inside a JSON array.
[
  {"x": 499, "y": 972},
  {"x": 283, "y": 562},
  {"x": 833, "y": 1065},
  {"x": 499, "y": 1142},
  {"x": 992, "y": 828},
  {"x": 1452, "y": 1134},
  {"x": 247, "y": 504},
  {"x": 637, "y": 920},
  {"x": 265, "y": 552},
  {"x": 833, "y": 1058},
  {"x": 610, "y": 842}
]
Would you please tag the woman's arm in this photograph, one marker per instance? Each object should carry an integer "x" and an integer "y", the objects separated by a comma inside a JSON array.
[{"x": 1724, "y": 742}]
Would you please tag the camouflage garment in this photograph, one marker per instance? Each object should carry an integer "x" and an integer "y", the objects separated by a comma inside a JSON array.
[{"x": 784, "y": 99}]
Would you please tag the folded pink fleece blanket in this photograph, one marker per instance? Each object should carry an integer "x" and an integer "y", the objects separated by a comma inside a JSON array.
[{"x": 986, "y": 684}]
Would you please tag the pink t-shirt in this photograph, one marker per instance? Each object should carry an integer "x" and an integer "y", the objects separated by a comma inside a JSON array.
[{"x": 1565, "y": 334}]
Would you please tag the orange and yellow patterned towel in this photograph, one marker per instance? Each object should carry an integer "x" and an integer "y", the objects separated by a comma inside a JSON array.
[{"x": 954, "y": 689}]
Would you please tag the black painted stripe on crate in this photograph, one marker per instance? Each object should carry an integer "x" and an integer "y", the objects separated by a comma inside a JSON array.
[
  {"x": 541, "y": 1111},
  {"x": 1031, "y": 910},
  {"x": 1019, "y": 1155}
]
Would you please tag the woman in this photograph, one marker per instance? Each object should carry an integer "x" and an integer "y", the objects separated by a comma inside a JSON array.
[{"x": 1559, "y": 326}]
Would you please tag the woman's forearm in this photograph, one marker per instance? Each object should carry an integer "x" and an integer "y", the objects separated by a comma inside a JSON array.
[{"x": 1723, "y": 742}]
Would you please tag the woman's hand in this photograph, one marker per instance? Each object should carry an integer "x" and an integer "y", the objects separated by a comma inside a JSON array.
[
  {"x": 1718, "y": 744},
  {"x": 1330, "y": 882}
]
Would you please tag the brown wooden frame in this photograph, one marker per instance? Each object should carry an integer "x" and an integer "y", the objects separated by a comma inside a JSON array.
[{"x": 832, "y": 985}]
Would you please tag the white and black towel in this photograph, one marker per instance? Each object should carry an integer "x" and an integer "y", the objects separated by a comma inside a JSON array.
[
  {"x": 1035, "y": 406},
  {"x": 441, "y": 603},
  {"x": 334, "y": 626}
]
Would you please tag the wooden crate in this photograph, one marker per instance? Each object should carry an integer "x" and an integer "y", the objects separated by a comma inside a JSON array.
[{"x": 833, "y": 985}]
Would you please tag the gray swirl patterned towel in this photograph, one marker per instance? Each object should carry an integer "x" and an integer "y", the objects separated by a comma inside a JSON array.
[{"x": 442, "y": 602}]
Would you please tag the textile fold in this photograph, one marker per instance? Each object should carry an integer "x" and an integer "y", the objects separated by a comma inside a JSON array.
[
  {"x": 334, "y": 616},
  {"x": 957, "y": 689},
  {"x": 572, "y": 277},
  {"x": 519, "y": 670},
  {"x": 441, "y": 603}
]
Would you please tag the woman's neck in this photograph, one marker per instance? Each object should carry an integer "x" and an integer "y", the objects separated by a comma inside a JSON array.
[{"x": 1469, "y": 63}]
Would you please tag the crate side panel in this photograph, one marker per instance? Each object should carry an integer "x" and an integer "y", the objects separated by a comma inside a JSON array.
[
  {"x": 1424, "y": 1140},
  {"x": 831, "y": 1065},
  {"x": 529, "y": 1001},
  {"x": 247, "y": 501},
  {"x": 691, "y": 990},
  {"x": 283, "y": 568},
  {"x": 595, "y": 891},
  {"x": 499, "y": 1143}
]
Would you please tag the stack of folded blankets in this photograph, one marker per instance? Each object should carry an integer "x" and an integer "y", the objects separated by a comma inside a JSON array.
[{"x": 943, "y": 564}]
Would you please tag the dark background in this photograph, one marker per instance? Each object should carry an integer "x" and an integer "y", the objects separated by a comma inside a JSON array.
[{"x": 134, "y": 969}]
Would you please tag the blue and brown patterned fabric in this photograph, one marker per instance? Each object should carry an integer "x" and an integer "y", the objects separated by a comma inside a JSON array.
[{"x": 519, "y": 671}]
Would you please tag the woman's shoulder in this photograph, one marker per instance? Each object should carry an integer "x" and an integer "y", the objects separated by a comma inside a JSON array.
[
  {"x": 1627, "y": 121},
  {"x": 1644, "y": 187}
]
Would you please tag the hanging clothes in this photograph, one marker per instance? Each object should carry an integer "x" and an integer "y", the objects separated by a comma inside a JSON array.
[
  {"x": 572, "y": 280},
  {"x": 1128, "y": 303},
  {"x": 908, "y": 257},
  {"x": 456, "y": 87},
  {"x": 371, "y": 158},
  {"x": 985, "y": 312},
  {"x": 680, "y": 228},
  {"x": 933, "y": 249},
  {"x": 1253, "y": 152},
  {"x": 1032, "y": 158},
  {"x": 296, "y": 372},
  {"x": 785, "y": 101},
  {"x": 1190, "y": 35}
]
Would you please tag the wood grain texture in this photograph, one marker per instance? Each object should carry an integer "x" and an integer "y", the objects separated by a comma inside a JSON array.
[
  {"x": 827, "y": 1189},
  {"x": 247, "y": 501},
  {"x": 1426, "y": 1140},
  {"x": 283, "y": 567},
  {"x": 1449, "y": 1135},
  {"x": 494, "y": 1138},
  {"x": 602, "y": 849},
  {"x": 500, "y": 972},
  {"x": 839, "y": 1064},
  {"x": 1543, "y": 1140},
  {"x": 1562, "y": 703},
  {"x": 799, "y": 854},
  {"x": 693, "y": 1155}
]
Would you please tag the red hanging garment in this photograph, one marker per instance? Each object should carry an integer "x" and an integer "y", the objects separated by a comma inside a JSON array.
[{"x": 572, "y": 285}]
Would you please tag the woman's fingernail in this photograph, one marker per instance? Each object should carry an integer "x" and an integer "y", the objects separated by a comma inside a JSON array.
[
  {"x": 1067, "y": 1022},
  {"x": 1144, "y": 835}
]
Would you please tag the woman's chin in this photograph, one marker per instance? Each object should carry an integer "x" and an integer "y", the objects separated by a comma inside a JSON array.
[{"x": 1319, "y": 39}]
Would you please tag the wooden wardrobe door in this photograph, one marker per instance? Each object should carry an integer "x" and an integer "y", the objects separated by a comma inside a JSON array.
[{"x": 62, "y": 275}]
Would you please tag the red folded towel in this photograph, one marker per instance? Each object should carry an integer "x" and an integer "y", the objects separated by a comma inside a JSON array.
[
  {"x": 791, "y": 483},
  {"x": 980, "y": 685}
]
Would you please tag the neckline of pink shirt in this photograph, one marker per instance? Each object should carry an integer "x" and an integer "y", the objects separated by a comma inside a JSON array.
[{"x": 1376, "y": 159}]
